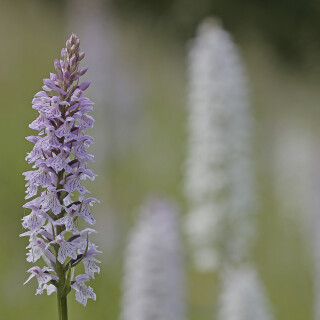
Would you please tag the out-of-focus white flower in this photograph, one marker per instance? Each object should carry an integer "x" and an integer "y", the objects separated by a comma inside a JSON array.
[
  {"x": 114, "y": 85},
  {"x": 219, "y": 182},
  {"x": 243, "y": 296},
  {"x": 153, "y": 278},
  {"x": 293, "y": 160},
  {"x": 116, "y": 94}
]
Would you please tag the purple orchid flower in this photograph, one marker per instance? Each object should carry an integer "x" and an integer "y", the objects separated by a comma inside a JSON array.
[
  {"x": 82, "y": 291},
  {"x": 58, "y": 200}
]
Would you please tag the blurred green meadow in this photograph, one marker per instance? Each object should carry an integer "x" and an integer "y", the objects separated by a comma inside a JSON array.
[{"x": 285, "y": 103}]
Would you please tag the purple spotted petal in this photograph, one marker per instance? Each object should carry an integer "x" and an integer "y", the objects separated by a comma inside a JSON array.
[
  {"x": 73, "y": 182},
  {"x": 50, "y": 201},
  {"x": 91, "y": 268},
  {"x": 34, "y": 221},
  {"x": 67, "y": 249}
]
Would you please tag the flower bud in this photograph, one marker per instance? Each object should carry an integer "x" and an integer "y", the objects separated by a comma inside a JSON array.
[
  {"x": 57, "y": 65},
  {"x": 64, "y": 54},
  {"x": 84, "y": 85},
  {"x": 82, "y": 71},
  {"x": 72, "y": 61},
  {"x": 73, "y": 49},
  {"x": 66, "y": 75}
]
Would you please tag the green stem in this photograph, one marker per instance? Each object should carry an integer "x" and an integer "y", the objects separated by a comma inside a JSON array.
[
  {"x": 63, "y": 285},
  {"x": 61, "y": 296},
  {"x": 61, "y": 292},
  {"x": 62, "y": 306}
]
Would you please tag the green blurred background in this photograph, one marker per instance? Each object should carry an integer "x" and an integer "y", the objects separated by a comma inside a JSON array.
[{"x": 136, "y": 52}]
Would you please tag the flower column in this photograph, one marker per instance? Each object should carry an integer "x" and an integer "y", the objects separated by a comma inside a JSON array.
[{"x": 60, "y": 164}]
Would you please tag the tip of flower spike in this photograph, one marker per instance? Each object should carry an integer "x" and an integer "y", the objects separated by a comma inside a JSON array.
[
  {"x": 72, "y": 39},
  {"x": 210, "y": 22}
]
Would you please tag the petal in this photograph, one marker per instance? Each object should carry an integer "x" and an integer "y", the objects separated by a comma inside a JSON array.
[
  {"x": 90, "y": 268},
  {"x": 30, "y": 277},
  {"x": 62, "y": 254},
  {"x": 86, "y": 214},
  {"x": 81, "y": 297},
  {"x": 50, "y": 289}
]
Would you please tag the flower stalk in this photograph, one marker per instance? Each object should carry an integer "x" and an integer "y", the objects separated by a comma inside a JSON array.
[{"x": 62, "y": 306}]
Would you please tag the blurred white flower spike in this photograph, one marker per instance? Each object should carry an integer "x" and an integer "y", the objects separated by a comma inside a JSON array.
[
  {"x": 219, "y": 181},
  {"x": 243, "y": 296},
  {"x": 153, "y": 285}
]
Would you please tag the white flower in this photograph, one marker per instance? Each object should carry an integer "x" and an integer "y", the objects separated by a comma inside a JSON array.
[
  {"x": 66, "y": 249},
  {"x": 43, "y": 277},
  {"x": 243, "y": 296},
  {"x": 82, "y": 291},
  {"x": 218, "y": 169},
  {"x": 38, "y": 249},
  {"x": 153, "y": 279}
]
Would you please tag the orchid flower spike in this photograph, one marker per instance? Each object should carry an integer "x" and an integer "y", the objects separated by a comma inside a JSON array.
[
  {"x": 58, "y": 202},
  {"x": 219, "y": 179},
  {"x": 153, "y": 285}
]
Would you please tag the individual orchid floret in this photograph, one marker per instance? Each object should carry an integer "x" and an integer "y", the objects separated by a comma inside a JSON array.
[
  {"x": 65, "y": 130},
  {"x": 57, "y": 198},
  {"x": 40, "y": 177},
  {"x": 85, "y": 211},
  {"x": 81, "y": 239},
  {"x": 73, "y": 180},
  {"x": 50, "y": 201},
  {"x": 34, "y": 221},
  {"x": 66, "y": 249},
  {"x": 90, "y": 261},
  {"x": 38, "y": 249},
  {"x": 40, "y": 123},
  {"x": 69, "y": 220},
  {"x": 43, "y": 277},
  {"x": 82, "y": 291},
  {"x": 59, "y": 162}
]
